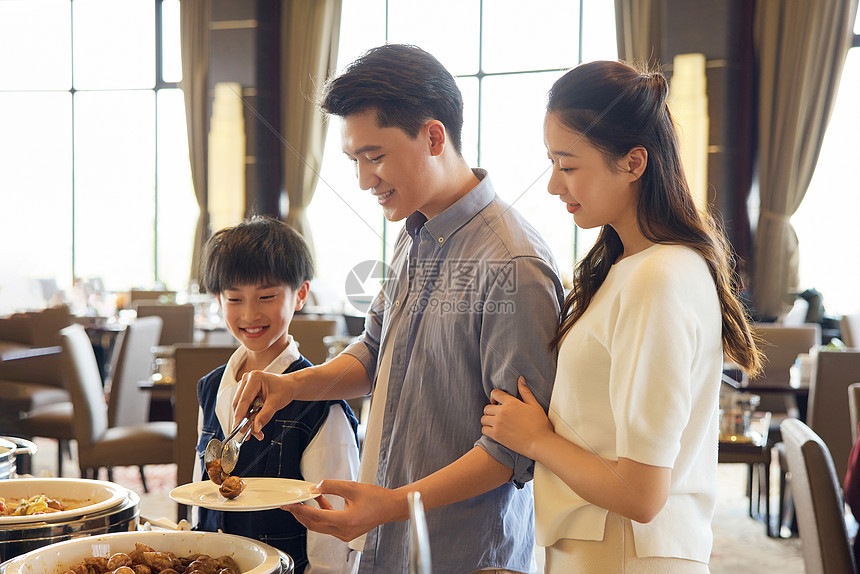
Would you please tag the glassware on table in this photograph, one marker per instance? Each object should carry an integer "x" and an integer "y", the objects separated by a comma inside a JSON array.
[{"x": 736, "y": 411}]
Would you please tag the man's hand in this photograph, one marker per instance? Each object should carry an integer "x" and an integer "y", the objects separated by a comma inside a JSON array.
[
  {"x": 517, "y": 424},
  {"x": 276, "y": 391},
  {"x": 366, "y": 506}
]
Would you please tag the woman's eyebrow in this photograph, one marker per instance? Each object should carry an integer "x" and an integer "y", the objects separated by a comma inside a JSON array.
[{"x": 563, "y": 154}]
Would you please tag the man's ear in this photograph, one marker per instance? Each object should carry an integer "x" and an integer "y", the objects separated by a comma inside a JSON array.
[
  {"x": 636, "y": 161},
  {"x": 302, "y": 295},
  {"x": 437, "y": 136}
]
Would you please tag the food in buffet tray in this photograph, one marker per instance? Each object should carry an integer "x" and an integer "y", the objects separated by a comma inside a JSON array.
[
  {"x": 145, "y": 560},
  {"x": 232, "y": 487},
  {"x": 216, "y": 474},
  {"x": 38, "y": 504}
]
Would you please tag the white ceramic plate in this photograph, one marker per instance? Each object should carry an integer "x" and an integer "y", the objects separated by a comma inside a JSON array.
[
  {"x": 88, "y": 497},
  {"x": 261, "y": 493},
  {"x": 253, "y": 557}
]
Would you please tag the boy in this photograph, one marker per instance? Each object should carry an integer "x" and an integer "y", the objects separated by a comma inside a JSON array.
[
  {"x": 260, "y": 272},
  {"x": 473, "y": 304}
]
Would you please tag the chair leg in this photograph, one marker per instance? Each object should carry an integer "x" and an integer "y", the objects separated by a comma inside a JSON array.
[
  {"x": 765, "y": 488},
  {"x": 787, "y": 523},
  {"x": 750, "y": 488},
  {"x": 60, "y": 447},
  {"x": 109, "y": 473},
  {"x": 183, "y": 512},
  {"x": 782, "y": 501},
  {"x": 143, "y": 478}
]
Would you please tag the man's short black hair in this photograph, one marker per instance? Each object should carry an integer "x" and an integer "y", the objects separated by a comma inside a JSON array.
[
  {"x": 405, "y": 85},
  {"x": 259, "y": 251}
]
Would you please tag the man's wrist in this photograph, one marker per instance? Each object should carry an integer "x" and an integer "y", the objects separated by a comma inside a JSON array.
[
  {"x": 398, "y": 507},
  {"x": 297, "y": 381}
]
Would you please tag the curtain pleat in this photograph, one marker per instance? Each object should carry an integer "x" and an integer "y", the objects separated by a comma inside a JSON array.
[
  {"x": 801, "y": 48},
  {"x": 194, "y": 25},
  {"x": 638, "y": 31},
  {"x": 309, "y": 41}
]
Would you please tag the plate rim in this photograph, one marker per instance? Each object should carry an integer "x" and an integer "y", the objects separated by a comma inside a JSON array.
[
  {"x": 271, "y": 554},
  {"x": 118, "y": 494},
  {"x": 177, "y": 494}
]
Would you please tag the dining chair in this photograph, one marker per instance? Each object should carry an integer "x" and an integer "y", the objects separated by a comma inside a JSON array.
[
  {"x": 54, "y": 421},
  {"x": 178, "y": 321},
  {"x": 33, "y": 397},
  {"x": 128, "y": 404},
  {"x": 192, "y": 362},
  {"x": 849, "y": 326},
  {"x": 29, "y": 382},
  {"x": 155, "y": 295},
  {"x": 854, "y": 408},
  {"x": 781, "y": 344},
  {"x": 818, "y": 502},
  {"x": 309, "y": 332},
  {"x": 829, "y": 414},
  {"x": 98, "y": 444}
]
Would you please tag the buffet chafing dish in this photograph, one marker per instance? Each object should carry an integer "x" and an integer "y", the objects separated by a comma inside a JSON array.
[
  {"x": 252, "y": 556},
  {"x": 10, "y": 449},
  {"x": 17, "y": 539}
]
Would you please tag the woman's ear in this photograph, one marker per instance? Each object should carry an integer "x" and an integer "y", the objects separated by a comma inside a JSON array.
[{"x": 636, "y": 161}]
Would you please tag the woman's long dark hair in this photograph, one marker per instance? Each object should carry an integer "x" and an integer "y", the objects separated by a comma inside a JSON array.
[{"x": 617, "y": 108}]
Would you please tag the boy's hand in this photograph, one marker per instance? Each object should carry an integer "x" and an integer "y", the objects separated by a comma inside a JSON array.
[{"x": 276, "y": 395}]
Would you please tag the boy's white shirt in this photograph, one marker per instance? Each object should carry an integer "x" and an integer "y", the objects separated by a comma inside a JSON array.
[
  {"x": 332, "y": 454},
  {"x": 229, "y": 383}
]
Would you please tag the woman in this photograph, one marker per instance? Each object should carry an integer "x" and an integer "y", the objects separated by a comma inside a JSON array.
[{"x": 625, "y": 479}]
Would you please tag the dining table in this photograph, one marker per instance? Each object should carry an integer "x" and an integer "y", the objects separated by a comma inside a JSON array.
[
  {"x": 753, "y": 449},
  {"x": 795, "y": 392}
]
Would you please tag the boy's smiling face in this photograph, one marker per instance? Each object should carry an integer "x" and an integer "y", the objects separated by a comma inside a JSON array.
[{"x": 259, "y": 317}]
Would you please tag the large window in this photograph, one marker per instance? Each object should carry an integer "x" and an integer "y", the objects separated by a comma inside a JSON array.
[
  {"x": 826, "y": 222},
  {"x": 505, "y": 57},
  {"x": 94, "y": 166}
]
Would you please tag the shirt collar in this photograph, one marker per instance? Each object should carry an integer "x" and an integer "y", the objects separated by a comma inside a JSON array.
[
  {"x": 229, "y": 384},
  {"x": 462, "y": 211}
]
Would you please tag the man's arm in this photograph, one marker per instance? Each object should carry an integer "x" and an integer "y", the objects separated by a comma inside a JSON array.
[
  {"x": 518, "y": 324},
  {"x": 366, "y": 506},
  {"x": 344, "y": 377},
  {"x": 347, "y": 376}
]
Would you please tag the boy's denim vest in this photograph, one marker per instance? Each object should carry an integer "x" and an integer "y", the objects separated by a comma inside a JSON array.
[{"x": 291, "y": 429}]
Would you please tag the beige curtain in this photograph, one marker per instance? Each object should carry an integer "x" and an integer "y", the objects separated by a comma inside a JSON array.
[
  {"x": 310, "y": 30},
  {"x": 801, "y": 47},
  {"x": 637, "y": 26},
  {"x": 194, "y": 23}
]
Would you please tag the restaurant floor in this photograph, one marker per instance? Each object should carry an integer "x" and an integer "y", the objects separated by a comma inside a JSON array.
[{"x": 740, "y": 544}]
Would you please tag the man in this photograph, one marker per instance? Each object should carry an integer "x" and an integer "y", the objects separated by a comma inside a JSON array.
[{"x": 472, "y": 306}]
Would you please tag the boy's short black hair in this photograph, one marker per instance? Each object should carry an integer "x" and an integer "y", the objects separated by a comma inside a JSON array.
[
  {"x": 260, "y": 250},
  {"x": 405, "y": 85}
]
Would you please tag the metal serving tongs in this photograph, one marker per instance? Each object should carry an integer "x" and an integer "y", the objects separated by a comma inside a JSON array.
[{"x": 228, "y": 449}]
